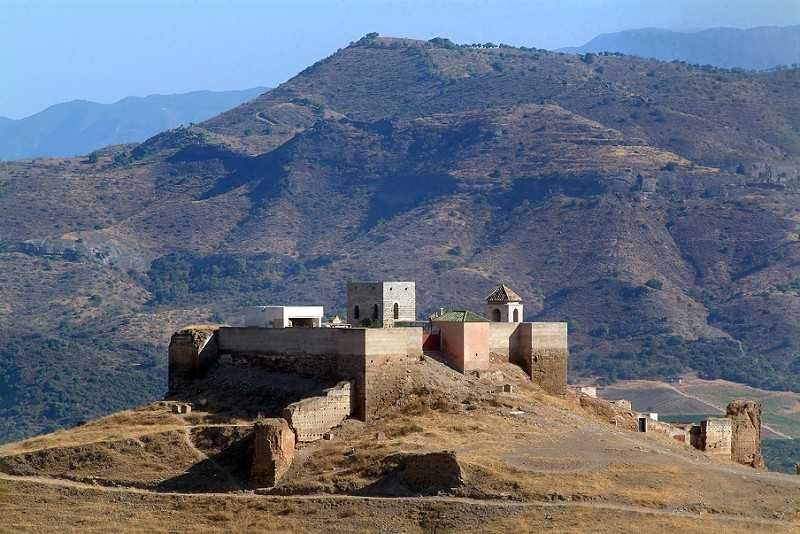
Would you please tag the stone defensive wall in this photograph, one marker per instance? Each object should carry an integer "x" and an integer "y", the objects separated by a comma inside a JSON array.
[
  {"x": 541, "y": 349},
  {"x": 311, "y": 418},
  {"x": 372, "y": 358}
]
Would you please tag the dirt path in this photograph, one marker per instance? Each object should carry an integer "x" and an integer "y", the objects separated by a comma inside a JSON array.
[
  {"x": 720, "y": 409},
  {"x": 442, "y": 499}
]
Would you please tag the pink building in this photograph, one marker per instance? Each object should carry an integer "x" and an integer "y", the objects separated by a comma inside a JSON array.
[{"x": 464, "y": 339}]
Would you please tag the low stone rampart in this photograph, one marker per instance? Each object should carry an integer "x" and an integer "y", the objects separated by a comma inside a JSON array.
[
  {"x": 312, "y": 417},
  {"x": 715, "y": 437}
]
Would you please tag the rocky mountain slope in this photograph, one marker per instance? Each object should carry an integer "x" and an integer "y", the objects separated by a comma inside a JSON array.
[
  {"x": 652, "y": 205},
  {"x": 79, "y": 127},
  {"x": 753, "y": 48}
]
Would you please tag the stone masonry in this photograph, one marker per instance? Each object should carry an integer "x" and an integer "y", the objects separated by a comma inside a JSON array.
[
  {"x": 384, "y": 302},
  {"x": 745, "y": 416},
  {"x": 191, "y": 351},
  {"x": 715, "y": 437},
  {"x": 311, "y": 418},
  {"x": 273, "y": 451}
]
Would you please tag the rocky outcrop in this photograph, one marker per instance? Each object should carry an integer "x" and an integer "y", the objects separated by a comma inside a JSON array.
[
  {"x": 273, "y": 451},
  {"x": 745, "y": 418},
  {"x": 432, "y": 472}
]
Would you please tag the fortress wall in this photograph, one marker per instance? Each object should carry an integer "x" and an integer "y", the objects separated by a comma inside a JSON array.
[
  {"x": 385, "y": 381},
  {"x": 191, "y": 352},
  {"x": 393, "y": 341},
  {"x": 715, "y": 437},
  {"x": 291, "y": 341},
  {"x": 323, "y": 367},
  {"x": 312, "y": 417},
  {"x": 504, "y": 339},
  {"x": 745, "y": 416},
  {"x": 545, "y": 351}
]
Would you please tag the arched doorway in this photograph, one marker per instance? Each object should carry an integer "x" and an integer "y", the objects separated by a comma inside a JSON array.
[
  {"x": 496, "y": 315},
  {"x": 396, "y": 311},
  {"x": 516, "y": 316},
  {"x": 356, "y": 312}
]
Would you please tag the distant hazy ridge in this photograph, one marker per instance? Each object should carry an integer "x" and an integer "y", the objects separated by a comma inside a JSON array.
[
  {"x": 78, "y": 127},
  {"x": 755, "y": 48}
]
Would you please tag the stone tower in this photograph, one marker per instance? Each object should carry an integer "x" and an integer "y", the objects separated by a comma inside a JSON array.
[
  {"x": 503, "y": 305},
  {"x": 381, "y": 303}
]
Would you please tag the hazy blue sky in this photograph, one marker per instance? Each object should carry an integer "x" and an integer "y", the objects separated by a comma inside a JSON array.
[{"x": 57, "y": 50}]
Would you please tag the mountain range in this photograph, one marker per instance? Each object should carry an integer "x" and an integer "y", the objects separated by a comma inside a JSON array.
[
  {"x": 79, "y": 127},
  {"x": 754, "y": 48},
  {"x": 652, "y": 205}
]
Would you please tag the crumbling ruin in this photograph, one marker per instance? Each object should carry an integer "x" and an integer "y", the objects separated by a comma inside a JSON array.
[
  {"x": 273, "y": 451},
  {"x": 745, "y": 416},
  {"x": 734, "y": 438}
]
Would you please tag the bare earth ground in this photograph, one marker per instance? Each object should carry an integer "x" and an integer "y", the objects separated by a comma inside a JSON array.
[{"x": 553, "y": 467}]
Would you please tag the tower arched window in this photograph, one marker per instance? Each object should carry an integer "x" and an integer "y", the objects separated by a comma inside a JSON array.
[
  {"x": 516, "y": 316},
  {"x": 496, "y": 315},
  {"x": 396, "y": 311},
  {"x": 356, "y": 312}
]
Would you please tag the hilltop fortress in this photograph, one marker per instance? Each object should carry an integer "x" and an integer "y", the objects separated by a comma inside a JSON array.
[
  {"x": 373, "y": 359},
  {"x": 304, "y": 377}
]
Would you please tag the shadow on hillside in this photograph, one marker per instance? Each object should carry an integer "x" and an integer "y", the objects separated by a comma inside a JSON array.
[
  {"x": 225, "y": 469},
  {"x": 227, "y": 393}
]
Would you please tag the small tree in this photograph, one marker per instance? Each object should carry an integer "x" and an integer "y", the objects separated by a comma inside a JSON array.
[{"x": 654, "y": 283}]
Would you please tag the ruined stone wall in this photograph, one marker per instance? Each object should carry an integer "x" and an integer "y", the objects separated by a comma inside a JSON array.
[
  {"x": 191, "y": 351},
  {"x": 273, "y": 451},
  {"x": 322, "y": 367},
  {"x": 745, "y": 416},
  {"x": 311, "y": 418},
  {"x": 715, "y": 437},
  {"x": 385, "y": 381}
]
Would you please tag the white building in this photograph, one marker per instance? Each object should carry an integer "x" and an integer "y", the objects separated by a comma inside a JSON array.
[{"x": 284, "y": 316}]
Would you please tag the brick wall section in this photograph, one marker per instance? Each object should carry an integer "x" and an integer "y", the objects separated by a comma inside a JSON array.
[
  {"x": 273, "y": 451},
  {"x": 745, "y": 418},
  {"x": 311, "y": 418},
  {"x": 715, "y": 437}
]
